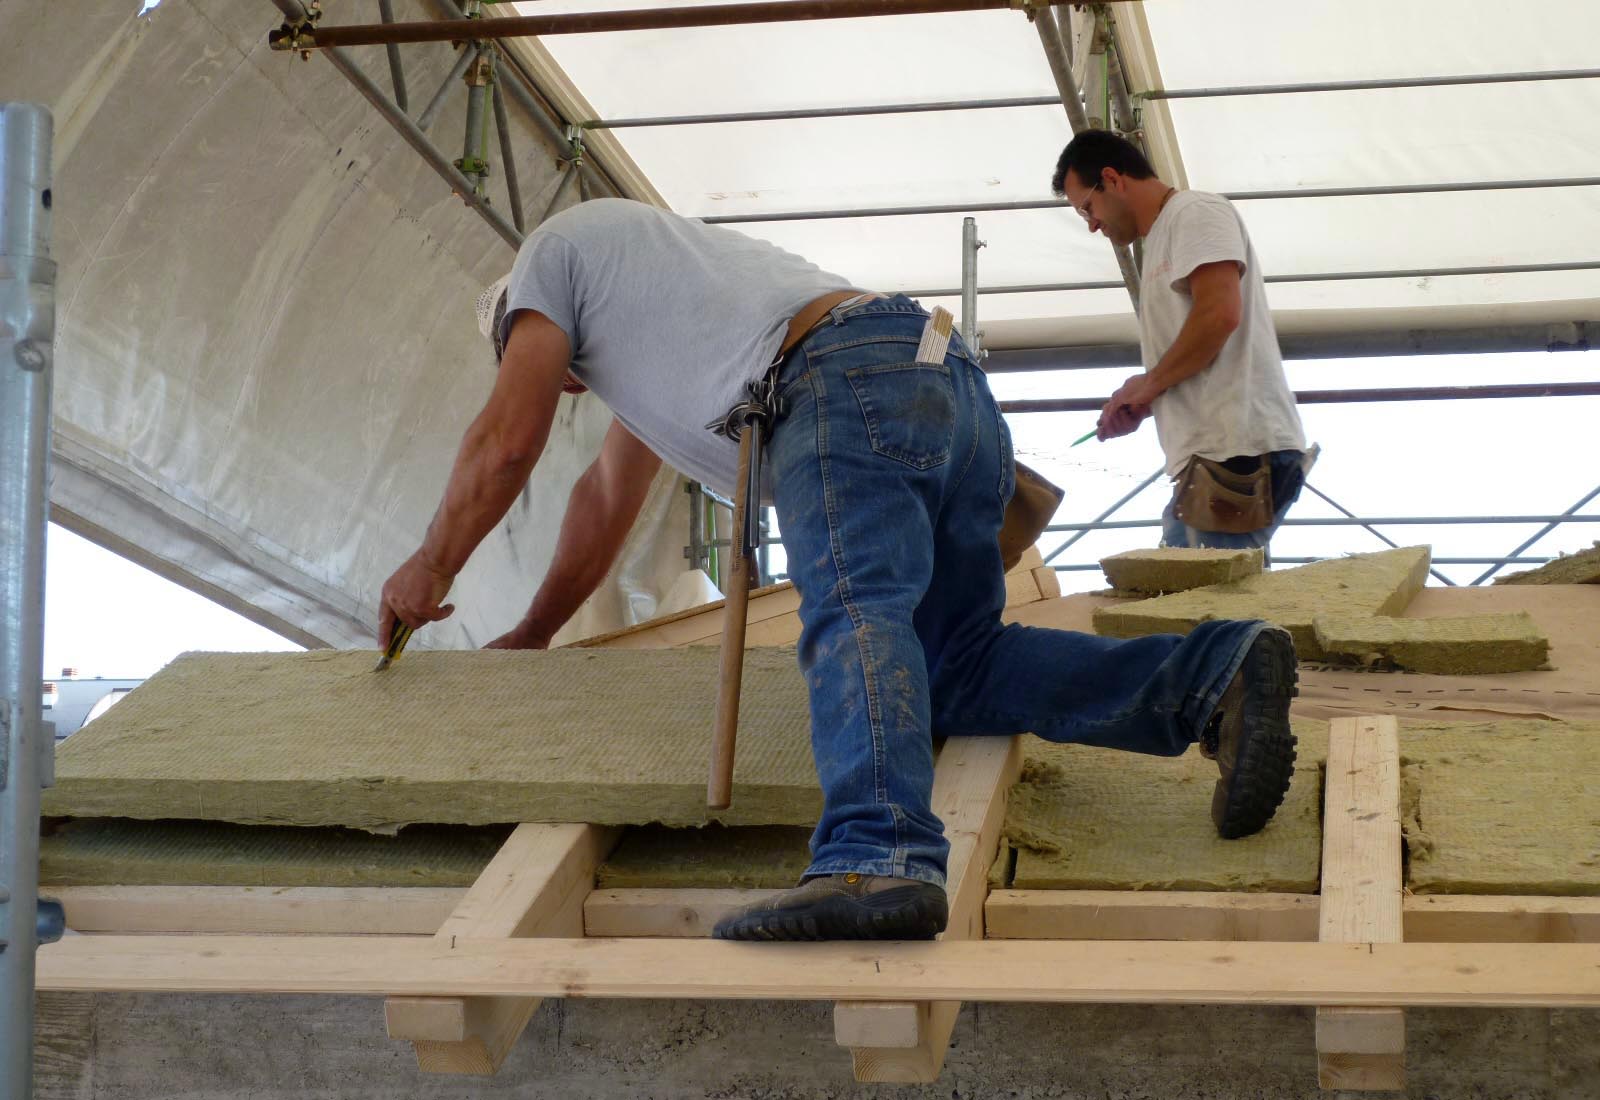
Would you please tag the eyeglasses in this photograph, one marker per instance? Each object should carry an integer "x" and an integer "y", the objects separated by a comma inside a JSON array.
[{"x": 1083, "y": 211}]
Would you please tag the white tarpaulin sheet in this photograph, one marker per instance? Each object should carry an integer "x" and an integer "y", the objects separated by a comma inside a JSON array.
[{"x": 266, "y": 347}]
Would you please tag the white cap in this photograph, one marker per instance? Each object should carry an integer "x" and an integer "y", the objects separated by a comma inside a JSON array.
[{"x": 486, "y": 303}]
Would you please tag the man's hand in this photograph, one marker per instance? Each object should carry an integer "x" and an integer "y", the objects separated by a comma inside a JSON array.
[
  {"x": 1128, "y": 407},
  {"x": 412, "y": 596},
  {"x": 525, "y": 635}
]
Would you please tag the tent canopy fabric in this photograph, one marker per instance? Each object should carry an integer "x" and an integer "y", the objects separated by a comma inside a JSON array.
[
  {"x": 1468, "y": 134},
  {"x": 266, "y": 348}
]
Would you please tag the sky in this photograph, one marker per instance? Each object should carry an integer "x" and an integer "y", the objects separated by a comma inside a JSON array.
[{"x": 107, "y": 617}]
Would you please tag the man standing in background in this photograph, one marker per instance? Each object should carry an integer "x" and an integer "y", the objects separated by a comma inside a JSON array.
[{"x": 1213, "y": 375}]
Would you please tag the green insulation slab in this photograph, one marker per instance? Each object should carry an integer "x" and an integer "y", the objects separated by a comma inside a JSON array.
[
  {"x": 756, "y": 857},
  {"x": 1362, "y": 584},
  {"x": 607, "y": 736},
  {"x": 1469, "y": 645},
  {"x": 1580, "y": 568},
  {"x": 1176, "y": 569},
  {"x": 1097, "y": 819},
  {"x": 118, "y": 852},
  {"x": 1502, "y": 807}
]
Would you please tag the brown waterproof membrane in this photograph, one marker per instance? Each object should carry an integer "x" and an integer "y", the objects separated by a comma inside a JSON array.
[{"x": 473, "y": 738}]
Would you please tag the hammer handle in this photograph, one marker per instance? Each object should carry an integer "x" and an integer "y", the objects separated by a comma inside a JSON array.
[{"x": 719, "y": 791}]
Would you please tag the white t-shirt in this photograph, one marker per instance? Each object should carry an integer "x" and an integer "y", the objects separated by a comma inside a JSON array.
[
  {"x": 667, "y": 318},
  {"x": 1241, "y": 404}
]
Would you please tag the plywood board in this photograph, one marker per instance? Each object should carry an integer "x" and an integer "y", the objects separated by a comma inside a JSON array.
[{"x": 479, "y": 737}]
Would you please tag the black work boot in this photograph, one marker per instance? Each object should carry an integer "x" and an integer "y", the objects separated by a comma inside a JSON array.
[
  {"x": 1250, "y": 738},
  {"x": 843, "y": 907}
]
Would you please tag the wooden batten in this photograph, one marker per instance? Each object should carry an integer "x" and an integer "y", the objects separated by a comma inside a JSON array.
[
  {"x": 535, "y": 886},
  {"x": 1362, "y": 887}
]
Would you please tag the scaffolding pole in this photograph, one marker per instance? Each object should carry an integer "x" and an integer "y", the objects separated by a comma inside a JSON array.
[
  {"x": 411, "y": 132},
  {"x": 27, "y": 332},
  {"x": 301, "y": 35},
  {"x": 969, "y": 285},
  {"x": 1344, "y": 397},
  {"x": 1055, "y": 52}
]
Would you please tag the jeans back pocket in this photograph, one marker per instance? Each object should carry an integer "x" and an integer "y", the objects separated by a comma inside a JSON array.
[{"x": 909, "y": 409}]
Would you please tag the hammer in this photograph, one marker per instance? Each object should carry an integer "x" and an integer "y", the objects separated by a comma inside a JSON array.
[{"x": 757, "y": 415}]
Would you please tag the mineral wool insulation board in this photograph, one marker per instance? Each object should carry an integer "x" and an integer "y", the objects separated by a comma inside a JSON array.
[
  {"x": 1098, "y": 819},
  {"x": 461, "y": 737},
  {"x": 1362, "y": 584},
  {"x": 1502, "y": 807},
  {"x": 118, "y": 852}
]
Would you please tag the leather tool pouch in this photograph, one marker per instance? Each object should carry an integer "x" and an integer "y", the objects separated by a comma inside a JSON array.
[
  {"x": 1027, "y": 514},
  {"x": 1211, "y": 497}
]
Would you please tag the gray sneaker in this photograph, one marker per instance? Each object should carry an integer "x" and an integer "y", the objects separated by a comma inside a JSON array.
[
  {"x": 843, "y": 907},
  {"x": 1250, "y": 738}
]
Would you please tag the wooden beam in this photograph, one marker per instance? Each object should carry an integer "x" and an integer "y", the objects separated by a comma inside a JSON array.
[
  {"x": 1009, "y": 914},
  {"x": 689, "y": 914},
  {"x": 1362, "y": 886},
  {"x": 906, "y": 1043},
  {"x": 1556, "y": 975},
  {"x": 1436, "y": 918},
  {"x": 1137, "y": 50},
  {"x": 315, "y": 910},
  {"x": 535, "y": 886},
  {"x": 1150, "y": 915}
]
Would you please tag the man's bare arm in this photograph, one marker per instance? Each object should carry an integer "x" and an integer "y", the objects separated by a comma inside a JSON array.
[
  {"x": 497, "y": 454},
  {"x": 600, "y": 513},
  {"x": 1218, "y": 306}
]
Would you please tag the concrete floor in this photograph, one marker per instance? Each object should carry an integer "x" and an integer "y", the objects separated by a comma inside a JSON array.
[{"x": 184, "y": 1047}]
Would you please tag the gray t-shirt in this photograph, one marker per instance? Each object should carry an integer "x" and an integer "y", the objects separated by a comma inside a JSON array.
[{"x": 667, "y": 317}]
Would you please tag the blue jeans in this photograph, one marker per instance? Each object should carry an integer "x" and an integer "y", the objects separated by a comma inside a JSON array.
[
  {"x": 890, "y": 478},
  {"x": 1288, "y": 478}
]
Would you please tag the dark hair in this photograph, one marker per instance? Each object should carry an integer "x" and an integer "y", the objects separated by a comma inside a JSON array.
[{"x": 1089, "y": 153}]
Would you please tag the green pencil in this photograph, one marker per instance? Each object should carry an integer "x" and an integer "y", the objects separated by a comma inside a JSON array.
[{"x": 1086, "y": 437}]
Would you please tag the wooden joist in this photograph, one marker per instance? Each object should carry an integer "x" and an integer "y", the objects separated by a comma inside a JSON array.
[
  {"x": 1362, "y": 886},
  {"x": 306, "y": 910},
  {"x": 535, "y": 886},
  {"x": 1179, "y": 915},
  {"x": 1100, "y": 972},
  {"x": 1150, "y": 915},
  {"x": 685, "y": 913},
  {"x": 906, "y": 1043}
]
